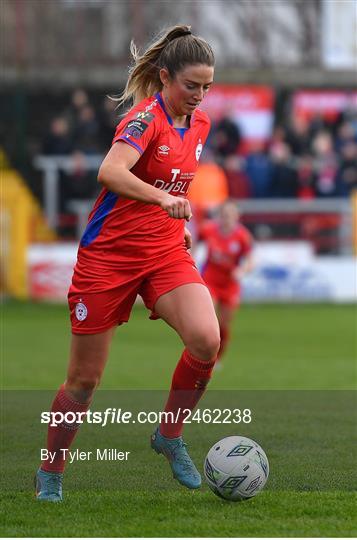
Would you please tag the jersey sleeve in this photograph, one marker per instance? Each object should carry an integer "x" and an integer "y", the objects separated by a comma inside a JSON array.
[{"x": 137, "y": 129}]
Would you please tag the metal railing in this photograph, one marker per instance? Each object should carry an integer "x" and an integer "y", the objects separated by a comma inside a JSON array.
[
  {"x": 331, "y": 218},
  {"x": 51, "y": 166}
]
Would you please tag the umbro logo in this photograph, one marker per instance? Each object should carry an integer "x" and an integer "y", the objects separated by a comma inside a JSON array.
[{"x": 163, "y": 150}]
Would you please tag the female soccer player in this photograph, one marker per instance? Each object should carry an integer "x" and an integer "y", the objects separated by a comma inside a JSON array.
[
  {"x": 135, "y": 243},
  {"x": 229, "y": 257}
]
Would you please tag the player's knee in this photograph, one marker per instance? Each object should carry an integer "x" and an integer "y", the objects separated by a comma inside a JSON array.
[
  {"x": 82, "y": 387},
  {"x": 205, "y": 344}
]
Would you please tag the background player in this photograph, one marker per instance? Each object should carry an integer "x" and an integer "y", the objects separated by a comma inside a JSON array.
[
  {"x": 135, "y": 243},
  {"x": 229, "y": 257}
]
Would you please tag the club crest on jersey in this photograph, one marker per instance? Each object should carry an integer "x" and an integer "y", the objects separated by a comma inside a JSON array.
[
  {"x": 81, "y": 311},
  {"x": 198, "y": 151},
  {"x": 163, "y": 150}
]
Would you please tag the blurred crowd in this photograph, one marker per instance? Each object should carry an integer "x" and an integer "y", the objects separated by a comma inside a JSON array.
[
  {"x": 81, "y": 129},
  {"x": 303, "y": 159}
]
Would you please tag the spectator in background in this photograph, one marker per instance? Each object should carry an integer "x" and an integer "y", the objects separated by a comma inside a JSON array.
[
  {"x": 78, "y": 183},
  {"x": 347, "y": 173},
  {"x": 284, "y": 179},
  {"x": 258, "y": 169},
  {"x": 350, "y": 115},
  {"x": 86, "y": 132},
  {"x": 82, "y": 183},
  {"x": 306, "y": 177},
  {"x": 345, "y": 135},
  {"x": 79, "y": 99},
  {"x": 318, "y": 124},
  {"x": 326, "y": 163},
  {"x": 298, "y": 136},
  {"x": 58, "y": 141},
  {"x": 238, "y": 181},
  {"x": 225, "y": 138},
  {"x": 225, "y": 141},
  {"x": 108, "y": 118},
  {"x": 278, "y": 137},
  {"x": 86, "y": 136},
  {"x": 322, "y": 154}
]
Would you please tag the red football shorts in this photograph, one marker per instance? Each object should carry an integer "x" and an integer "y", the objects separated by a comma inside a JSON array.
[
  {"x": 223, "y": 290},
  {"x": 115, "y": 291}
]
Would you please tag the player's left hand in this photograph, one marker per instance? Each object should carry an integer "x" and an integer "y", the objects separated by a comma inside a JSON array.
[{"x": 188, "y": 239}]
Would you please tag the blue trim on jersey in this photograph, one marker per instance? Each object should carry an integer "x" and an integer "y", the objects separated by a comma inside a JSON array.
[
  {"x": 160, "y": 100},
  {"x": 181, "y": 131},
  {"x": 162, "y": 104},
  {"x": 96, "y": 223},
  {"x": 134, "y": 145}
]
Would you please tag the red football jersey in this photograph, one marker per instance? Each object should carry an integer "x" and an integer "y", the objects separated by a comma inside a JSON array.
[
  {"x": 224, "y": 251},
  {"x": 122, "y": 231}
]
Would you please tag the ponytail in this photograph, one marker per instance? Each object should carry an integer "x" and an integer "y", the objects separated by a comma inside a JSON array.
[{"x": 174, "y": 49}]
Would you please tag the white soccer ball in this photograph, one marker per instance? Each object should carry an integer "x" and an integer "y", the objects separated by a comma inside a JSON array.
[{"x": 236, "y": 468}]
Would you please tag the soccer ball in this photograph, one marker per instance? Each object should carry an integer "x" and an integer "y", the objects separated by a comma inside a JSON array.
[{"x": 236, "y": 468}]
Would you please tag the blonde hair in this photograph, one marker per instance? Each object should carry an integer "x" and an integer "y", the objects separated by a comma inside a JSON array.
[{"x": 173, "y": 49}]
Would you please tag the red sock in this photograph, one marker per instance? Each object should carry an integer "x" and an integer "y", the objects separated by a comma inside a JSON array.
[
  {"x": 224, "y": 332},
  {"x": 188, "y": 385},
  {"x": 61, "y": 436}
]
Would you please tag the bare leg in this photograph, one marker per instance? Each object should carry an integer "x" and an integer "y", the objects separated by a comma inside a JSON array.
[
  {"x": 225, "y": 316},
  {"x": 189, "y": 310},
  {"x": 88, "y": 357}
]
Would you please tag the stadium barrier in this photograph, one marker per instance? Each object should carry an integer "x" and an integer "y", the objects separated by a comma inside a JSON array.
[
  {"x": 51, "y": 167},
  {"x": 283, "y": 272},
  {"x": 326, "y": 223},
  {"x": 290, "y": 235}
]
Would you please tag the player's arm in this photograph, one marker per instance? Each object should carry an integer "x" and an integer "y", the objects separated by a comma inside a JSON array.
[
  {"x": 247, "y": 262},
  {"x": 246, "y": 266},
  {"x": 116, "y": 176}
]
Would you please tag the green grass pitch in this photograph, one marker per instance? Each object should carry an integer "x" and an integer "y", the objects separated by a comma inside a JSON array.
[{"x": 293, "y": 365}]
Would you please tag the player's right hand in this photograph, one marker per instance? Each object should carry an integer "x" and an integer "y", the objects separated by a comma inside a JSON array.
[{"x": 176, "y": 207}]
